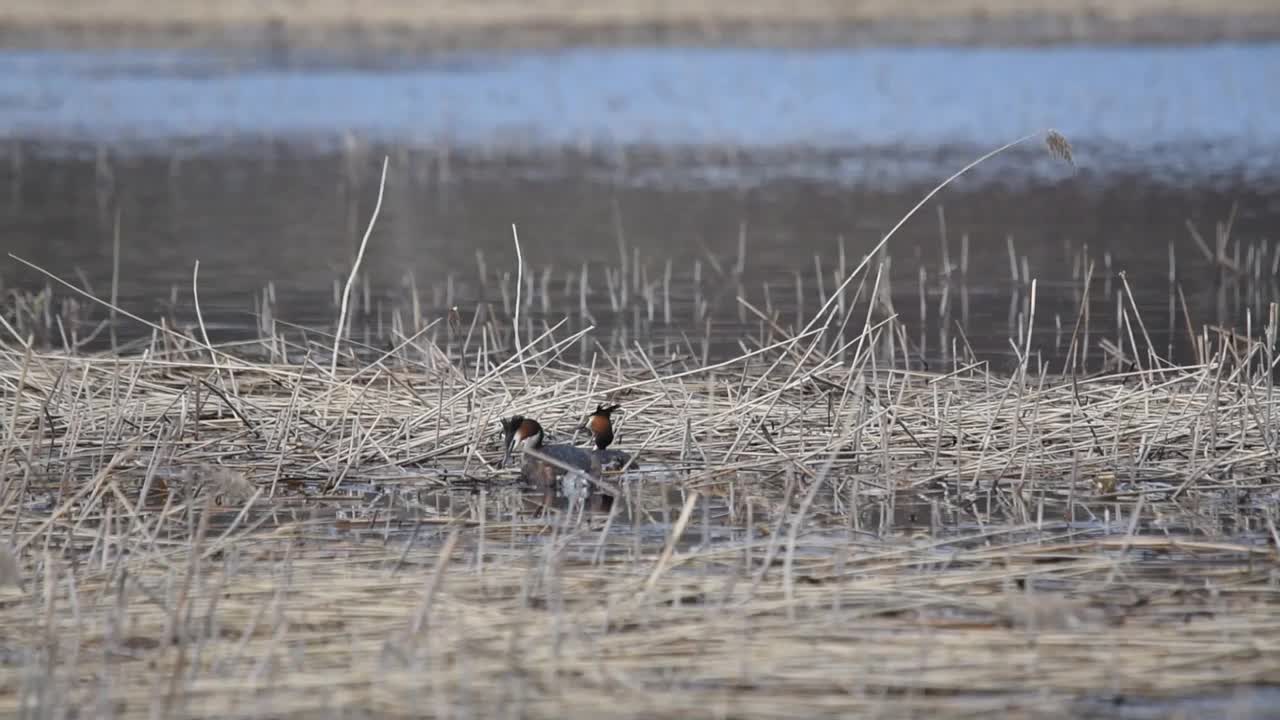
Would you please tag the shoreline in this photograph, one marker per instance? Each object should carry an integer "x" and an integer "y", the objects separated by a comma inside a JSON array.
[{"x": 435, "y": 25}]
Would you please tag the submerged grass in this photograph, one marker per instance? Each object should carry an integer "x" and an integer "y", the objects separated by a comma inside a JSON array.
[{"x": 192, "y": 530}]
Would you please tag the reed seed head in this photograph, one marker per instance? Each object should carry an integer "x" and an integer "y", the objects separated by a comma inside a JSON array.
[{"x": 1059, "y": 146}]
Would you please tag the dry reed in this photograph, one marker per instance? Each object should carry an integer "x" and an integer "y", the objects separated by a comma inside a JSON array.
[{"x": 189, "y": 544}]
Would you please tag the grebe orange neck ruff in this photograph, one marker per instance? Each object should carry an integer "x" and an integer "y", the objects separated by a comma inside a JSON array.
[{"x": 600, "y": 425}]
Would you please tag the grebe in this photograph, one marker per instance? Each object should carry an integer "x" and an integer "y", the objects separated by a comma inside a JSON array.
[
  {"x": 600, "y": 425},
  {"x": 522, "y": 434}
]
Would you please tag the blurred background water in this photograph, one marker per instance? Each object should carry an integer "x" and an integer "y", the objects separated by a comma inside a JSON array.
[{"x": 263, "y": 165}]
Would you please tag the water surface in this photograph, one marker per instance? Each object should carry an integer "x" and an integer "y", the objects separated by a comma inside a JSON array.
[{"x": 263, "y": 167}]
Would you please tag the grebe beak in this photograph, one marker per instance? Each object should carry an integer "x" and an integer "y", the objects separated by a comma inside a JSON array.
[{"x": 509, "y": 428}]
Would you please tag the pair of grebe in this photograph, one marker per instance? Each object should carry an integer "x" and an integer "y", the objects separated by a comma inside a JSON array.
[{"x": 547, "y": 462}]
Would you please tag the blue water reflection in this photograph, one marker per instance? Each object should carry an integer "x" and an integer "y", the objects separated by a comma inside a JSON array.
[{"x": 1140, "y": 98}]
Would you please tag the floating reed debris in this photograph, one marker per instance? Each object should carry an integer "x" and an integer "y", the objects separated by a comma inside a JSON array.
[{"x": 191, "y": 530}]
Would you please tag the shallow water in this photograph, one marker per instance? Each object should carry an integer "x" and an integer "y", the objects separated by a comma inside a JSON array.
[
  {"x": 399, "y": 507},
  {"x": 264, "y": 169}
]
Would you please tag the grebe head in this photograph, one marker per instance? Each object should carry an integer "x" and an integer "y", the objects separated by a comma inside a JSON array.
[
  {"x": 600, "y": 425},
  {"x": 519, "y": 432}
]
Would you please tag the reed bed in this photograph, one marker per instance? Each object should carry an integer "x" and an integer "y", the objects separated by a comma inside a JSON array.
[
  {"x": 814, "y": 528},
  {"x": 190, "y": 532}
]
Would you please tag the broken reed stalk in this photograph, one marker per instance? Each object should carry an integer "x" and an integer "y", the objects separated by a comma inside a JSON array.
[
  {"x": 355, "y": 267},
  {"x": 515, "y": 324}
]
